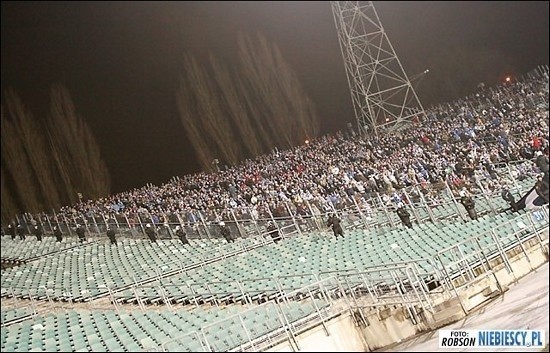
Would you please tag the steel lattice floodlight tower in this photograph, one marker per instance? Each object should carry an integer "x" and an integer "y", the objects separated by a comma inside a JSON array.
[{"x": 382, "y": 94}]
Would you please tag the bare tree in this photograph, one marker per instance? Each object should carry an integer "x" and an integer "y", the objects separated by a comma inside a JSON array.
[
  {"x": 300, "y": 105},
  {"x": 187, "y": 109},
  {"x": 261, "y": 96},
  {"x": 236, "y": 109},
  {"x": 33, "y": 138},
  {"x": 210, "y": 118},
  {"x": 283, "y": 105},
  {"x": 14, "y": 158},
  {"x": 75, "y": 151},
  {"x": 249, "y": 112},
  {"x": 9, "y": 205}
]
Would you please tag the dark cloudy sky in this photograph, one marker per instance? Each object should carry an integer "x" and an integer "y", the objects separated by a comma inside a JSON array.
[{"x": 121, "y": 61}]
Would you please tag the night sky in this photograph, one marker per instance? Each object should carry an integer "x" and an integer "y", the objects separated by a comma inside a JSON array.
[{"x": 121, "y": 61}]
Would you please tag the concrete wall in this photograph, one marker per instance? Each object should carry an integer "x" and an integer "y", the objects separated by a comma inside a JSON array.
[{"x": 343, "y": 337}]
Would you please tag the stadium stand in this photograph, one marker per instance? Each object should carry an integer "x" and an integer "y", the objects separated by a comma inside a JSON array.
[{"x": 381, "y": 283}]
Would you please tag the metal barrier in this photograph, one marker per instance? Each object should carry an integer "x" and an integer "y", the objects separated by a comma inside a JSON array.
[
  {"x": 265, "y": 324},
  {"x": 402, "y": 284},
  {"x": 464, "y": 262}
]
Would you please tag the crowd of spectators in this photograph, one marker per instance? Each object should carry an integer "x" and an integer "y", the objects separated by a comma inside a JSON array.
[{"x": 459, "y": 143}]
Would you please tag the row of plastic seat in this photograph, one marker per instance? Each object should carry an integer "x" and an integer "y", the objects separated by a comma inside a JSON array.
[
  {"x": 83, "y": 272},
  {"x": 24, "y": 250},
  {"x": 298, "y": 261},
  {"x": 15, "y": 314},
  {"x": 96, "y": 266},
  {"x": 220, "y": 329}
]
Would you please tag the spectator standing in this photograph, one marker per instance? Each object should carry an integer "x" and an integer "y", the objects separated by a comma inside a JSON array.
[
  {"x": 111, "y": 233},
  {"x": 469, "y": 204},
  {"x": 151, "y": 233},
  {"x": 21, "y": 231},
  {"x": 508, "y": 197},
  {"x": 58, "y": 234},
  {"x": 38, "y": 232},
  {"x": 226, "y": 232},
  {"x": 81, "y": 233},
  {"x": 180, "y": 233},
  {"x": 334, "y": 221},
  {"x": 11, "y": 231},
  {"x": 404, "y": 215},
  {"x": 273, "y": 232}
]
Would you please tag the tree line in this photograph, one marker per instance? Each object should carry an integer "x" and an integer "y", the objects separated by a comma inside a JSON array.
[
  {"x": 228, "y": 115},
  {"x": 232, "y": 115},
  {"x": 48, "y": 163}
]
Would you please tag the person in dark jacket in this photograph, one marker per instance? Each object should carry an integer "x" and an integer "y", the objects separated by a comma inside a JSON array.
[
  {"x": 11, "y": 231},
  {"x": 508, "y": 197},
  {"x": 58, "y": 234},
  {"x": 180, "y": 233},
  {"x": 21, "y": 231},
  {"x": 404, "y": 215},
  {"x": 469, "y": 204},
  {"x": 542, "y": 163},
  {"x": 111, "y": 233},
  {"x": 81, "y": 233},
  {"x": 37, "y": 231},
  {"x": 334, "y": 221},
  {"x": 273, "y": 232},
  {"x": 226, "y": 232},
  {"x": 544, "y": 180},
  {"x": 151, "y": 233}
]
